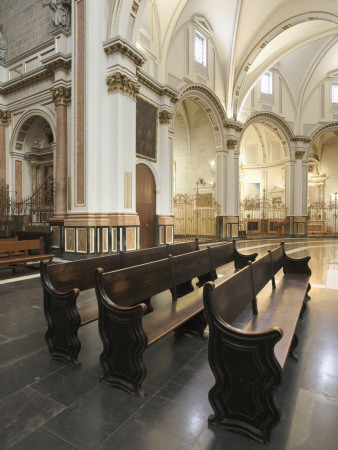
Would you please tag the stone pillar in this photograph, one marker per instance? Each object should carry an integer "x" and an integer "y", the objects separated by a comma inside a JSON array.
[
  {"x": 35, "y": 167},
  {"x": 165, "y": 220},
  {"x": 4, "y": 122},
  {"x": 61, "y": 96},
  {"x": 296, "y": 172}
]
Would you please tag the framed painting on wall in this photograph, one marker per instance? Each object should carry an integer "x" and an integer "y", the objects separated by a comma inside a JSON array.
[{"x": 146, "y": 130}]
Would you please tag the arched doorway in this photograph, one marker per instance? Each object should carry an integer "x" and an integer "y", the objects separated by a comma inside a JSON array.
[{"x": 146, "y": 205}]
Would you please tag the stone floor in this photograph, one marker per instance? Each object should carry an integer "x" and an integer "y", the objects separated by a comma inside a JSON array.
[{"x": 47, "y": 405}]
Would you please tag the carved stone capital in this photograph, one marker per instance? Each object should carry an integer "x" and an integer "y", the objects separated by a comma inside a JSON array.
[
  {"x": 61, "y": 95},
  {"x": 119, "y": 82},
  {"x": 299, "y": 154},
  {"x": 134, "y": 7},
  {"x": 165, "y": 117},
  {"x": 120, "y": 45},
  {"x": 231, "y": 143},
  {"x": 5, "y": 118}
]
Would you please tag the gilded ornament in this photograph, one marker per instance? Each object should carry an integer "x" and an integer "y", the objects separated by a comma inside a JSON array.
[
  {"x": 5, "y": 117},
  {"x": 61, "y": 95},
  {"x": 165, "y": 117},
  {"x": 119, "y": 82}
]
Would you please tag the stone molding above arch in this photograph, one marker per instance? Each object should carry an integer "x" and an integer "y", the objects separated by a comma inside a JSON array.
[
  {"x": 330, "y": 126},
  {"x": 277, "y": 125},
  {"x": 23, "y": 125},
  {"x": 211, "y": 105}
]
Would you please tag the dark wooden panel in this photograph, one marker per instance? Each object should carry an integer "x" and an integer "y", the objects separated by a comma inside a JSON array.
[
  {"x": 81, "y": 274},
  {"x": 137, "y": 257},
  {"x": 129, "y": 286},
  {"x": 222, "y": 254},
  {"x": 191, "y": 265},
  {"x": 233, "y": 295},
  {"x": 146, "y": 205},
  {"x": 261, "y": 272}
]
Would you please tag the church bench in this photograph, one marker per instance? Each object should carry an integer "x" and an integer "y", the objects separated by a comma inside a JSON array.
[
  {"x": 62, "y": 284},
  {"x": 18, "y": 253},
  {"x": 126, "y": 331},
  {"x": 247, "y": 358}
]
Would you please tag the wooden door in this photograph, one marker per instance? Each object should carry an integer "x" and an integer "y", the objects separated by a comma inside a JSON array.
[{"x": 146, "y": 205}]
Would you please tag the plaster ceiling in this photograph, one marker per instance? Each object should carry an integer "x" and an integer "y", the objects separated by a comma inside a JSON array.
[{"x": 251, "y": 36}]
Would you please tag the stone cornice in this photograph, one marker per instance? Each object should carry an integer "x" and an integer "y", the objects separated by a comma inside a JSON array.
[
  {"x": 61, "y": 95},
  {"x": 5, "y": 117},
  {"x": 119, "y": 82},
  {"x": 25, "y": 80},
  {"x": 237, "y": 126},
  {"x": 301, "y": 139},
  {"x": 125, "y": 48},
  {"x": 58, "y": 61},
  {"x": 159, "y": 89},
  {"x": 165, "y": 117}
]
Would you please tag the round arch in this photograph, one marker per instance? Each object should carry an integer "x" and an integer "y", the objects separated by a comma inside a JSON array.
[
  {"x": 332, "y": 126},
  {"x": 211, "y": 105},
  {"x": 276, "y": 124},
  {"x": 24, "y": 124}
]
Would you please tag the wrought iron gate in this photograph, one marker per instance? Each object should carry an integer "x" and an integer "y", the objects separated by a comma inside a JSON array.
[
  {"x": 322, "y": 218},
  {"x": 262, "y": 217},
  {"x": 195, "y": 216},
  {"x": 32, "y": 213}
]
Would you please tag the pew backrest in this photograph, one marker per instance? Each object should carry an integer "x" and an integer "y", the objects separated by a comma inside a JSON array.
[
  {"x": 191, "y": 265},
  {"x": 183, "y": 247},
  {"x": 78, "y": 274},
  {"x": 262, "y": 272},
  {"x": 231, "y": 296},
  {"x": 129, "y": 286},
  {"x": 12, "y": 247},
  {"x": 137, "y": 257}
]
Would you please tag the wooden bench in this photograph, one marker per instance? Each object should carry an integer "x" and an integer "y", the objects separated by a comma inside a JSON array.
[
  {"x": 62, "y": 284},
  {"x": 17, "y": 253},
  {"x": 126, "y": 331},
  {"x": 247, "y": 358}
]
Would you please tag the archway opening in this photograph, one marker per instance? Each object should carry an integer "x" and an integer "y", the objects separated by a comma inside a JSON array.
[
  {"x": 262, "y": 181},
  {"x": 194, "y": 173},
  {"x": 323, "y": 185}
]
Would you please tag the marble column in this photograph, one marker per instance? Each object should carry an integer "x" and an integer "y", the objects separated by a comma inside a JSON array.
[
  {"x": 61, "y": 96},
  {"x": 4, "y": 122}
]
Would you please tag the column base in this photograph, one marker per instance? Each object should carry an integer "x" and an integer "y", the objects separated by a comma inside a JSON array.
[
  {"x": 89, "y": 235},
  {"x": 227, "y": 227},
  {"x": 296, "y": 226},
  {"x": 164, "y": 230}
]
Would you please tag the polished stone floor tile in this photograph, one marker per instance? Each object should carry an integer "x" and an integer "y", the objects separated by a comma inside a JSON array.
[
  {"x": 42, "y": 440},
  {"x": 314, "y": 424},
  {"x": 135, "y": 435},
  {"x": 45, "y": 404},
  {"x": 172, "y": 418},
  {"x": 26, "y": 371},
  {"x": 90, "y": 420},
  {"x": 24, "y": 412}
]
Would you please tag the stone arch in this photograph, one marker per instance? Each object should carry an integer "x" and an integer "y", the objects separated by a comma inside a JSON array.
[
  {"x": 276, "y": 124},
  {"x": 331, "y": 126},
  {"x": 24, "y": 124},
  {"x": 211, "y": 105}
]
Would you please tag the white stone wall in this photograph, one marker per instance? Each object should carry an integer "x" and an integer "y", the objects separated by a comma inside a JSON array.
[{"x": 195, "y": 161}]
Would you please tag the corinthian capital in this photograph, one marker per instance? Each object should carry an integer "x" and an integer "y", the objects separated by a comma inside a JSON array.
[
  {"x": 299, "y": 154},
  {"x": 165, "y": 117},
  {"x": 231, "y": 143},
  {"x": 119, "y": 82},
  {"x": 5, "y": 117},
  {"x": 61, "y": 95}
]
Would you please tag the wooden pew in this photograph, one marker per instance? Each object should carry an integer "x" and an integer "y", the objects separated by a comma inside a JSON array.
[
  {"x": 18, "y": 253},
  {"x": 62, "y": 284},
  {"x": 121, "y": 359},
  {"x": 248, "y": 359}
]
